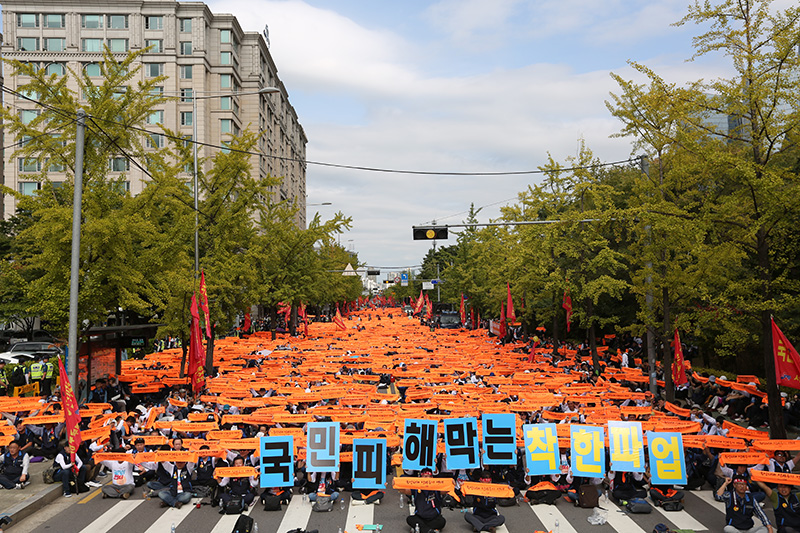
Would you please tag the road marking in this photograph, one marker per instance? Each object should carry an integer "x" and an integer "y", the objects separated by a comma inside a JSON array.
[
  {"x": 112, "y": 517},
  {"x": 226, "y": 522},
  {"x": 358, "y": 514},
  {"x": 95, "y": 492},
  {"x": 548, "y": 514},
  {"x": 172, "y": 516},
  {"x": 708, "y": 497},
  {"x": 297, "y": 514},
  {"x": 681, "y": 519},
  {"x": 620, "y": 520}
]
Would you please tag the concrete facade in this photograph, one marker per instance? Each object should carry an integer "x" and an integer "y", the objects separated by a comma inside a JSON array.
[{"x": 199, "y": 51}]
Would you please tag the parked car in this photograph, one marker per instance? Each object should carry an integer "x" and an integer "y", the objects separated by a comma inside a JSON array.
[
  {"x": 22, "y": 352},
  {"x": 448, "y": 320}
]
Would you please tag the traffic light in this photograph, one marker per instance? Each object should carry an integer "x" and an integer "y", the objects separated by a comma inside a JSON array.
[{"x": 429, "y": 233}]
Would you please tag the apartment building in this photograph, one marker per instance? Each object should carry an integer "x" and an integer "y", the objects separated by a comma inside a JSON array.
[{"x": 200, "y": 52}]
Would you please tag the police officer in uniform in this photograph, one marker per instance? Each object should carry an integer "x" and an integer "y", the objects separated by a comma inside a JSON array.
[
  {"x": 37, "y": 372},
  {"x": 4, "y": 387},
  {"x": 47, "y": 382}
]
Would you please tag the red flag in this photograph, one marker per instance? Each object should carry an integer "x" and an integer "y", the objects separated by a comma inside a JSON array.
[
  {"x": 72, "y": 415},
  {"x": 502, "y": 321},
  {"x": 678, "y": 370},
  {"x": 204, "y": 303},
  {"x": 463, "y": 312},
  {"x": 512, "y": 317},
  {"x": 787, "y": 361},
  {"x": 567, "y": 305},
  {"x": 196, "y": 358},
  {"x": 337, "y": 319},
  {"x": 247, "y": 323},
  {"x": 420, "y": 302}
]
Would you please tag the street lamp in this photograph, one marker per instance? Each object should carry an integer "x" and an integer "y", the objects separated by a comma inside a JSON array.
[{"x": 265, "y": 90}]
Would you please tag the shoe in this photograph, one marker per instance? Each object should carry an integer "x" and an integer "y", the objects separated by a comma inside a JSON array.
[
  {"x": 178, "y": 505},
  {"x": 164, "y": 504},
  {"x": 126, "y": 495},
  {"x": 18, "y": 486},
  {"x": 26, "y": 484},
  {"x": 94, "y": 484},
  {"x": 101, "y": 474},
  {"x": 105, "y": 495},
  {"x": 378, "y": 502},
  {"x": 68, "y": 495}
]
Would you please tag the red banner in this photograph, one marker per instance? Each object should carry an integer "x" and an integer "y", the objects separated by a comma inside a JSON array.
[
  {"x": 420, "y": 303},
  {"x": 338, "y": 319},
  {"x": 463, "y": 312},
  {"x": 678, "y": 370},
  {"x": 567, "y": 305},
  {"x": 510, "y": 315},
  {"x": 204, "y": 303},
  {"x": 787, "y": 361},
  {"x": 196, "y": 358},
  {"x": 72, "y": 415}
]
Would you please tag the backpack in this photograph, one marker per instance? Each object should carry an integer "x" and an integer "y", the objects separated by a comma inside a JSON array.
[
  {"x": 588, "y": 497},
  {"x": 17, "y": 378},
  {"x": 506, "y": 502},
  {"x": 638, "y": 506},
  {"x": 322, "y": 504},
  {"x": 272, "y": 502},
  {"x": 235, "y": 505},
  {"x": 661, "y": 528},
  {"x": 674, "y": 505},
  {"x": 244, "y": 524}
]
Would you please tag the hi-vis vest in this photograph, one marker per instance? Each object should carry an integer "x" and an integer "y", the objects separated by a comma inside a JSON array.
[
  {"x": 51, "y": 368},
  {"x": 37, "y": 370}
]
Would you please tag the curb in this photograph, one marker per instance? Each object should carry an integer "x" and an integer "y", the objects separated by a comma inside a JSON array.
[{"x": 36, "y": 502}]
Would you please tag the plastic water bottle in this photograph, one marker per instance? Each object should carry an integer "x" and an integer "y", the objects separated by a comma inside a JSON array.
[
  {"x": 341, "y": 503},
  {"x": 416, "y": 528},
  {"x": 557, "y": 528},
  {"x": 401, "y": 501},
  {"x": 255, "y": 527},
  {"x": 172, "y": 529},
  {"x": 340, "y": 530}
]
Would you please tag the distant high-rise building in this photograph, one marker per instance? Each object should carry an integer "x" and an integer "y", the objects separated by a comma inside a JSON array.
[{"x": 200, "y": 52}]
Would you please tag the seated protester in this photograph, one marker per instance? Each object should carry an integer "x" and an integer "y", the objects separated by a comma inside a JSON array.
[
  {"x": 626, "y": 485},
  {"x": 573, "y": 491},
  {"x": 121, "y": 485},
  {"x": 68, "y": 473},
  {"x": 484, "y": 515},
  {"x": 780, "y": 462},
  {"x": 142, "y": 472},
  {"x": 204, "y": 477},
  {"x": 786, "y": 506},
  {"x": 368, "y": 496},
  {"x": 728, "y": 472},
  {"x": 427, "y": 507},
  {"x": 25, "y": 436},
  {"x": 14, "y": 467},
  {"x": 741, "y": 508},
  {"x": 162, "y": 477},
  {"x": 325, "y": 485},
  {"x": 179, "y": 490},
  {"x": 46, "y": 440},
  {"x": 541, "y": 490},
  {"x": 283, "y": 495},
  {"x": 244, "y": 487}
]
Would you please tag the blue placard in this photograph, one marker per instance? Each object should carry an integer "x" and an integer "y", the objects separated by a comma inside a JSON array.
[
  {"x": 588, "y": 451},
  {"x": 322, "y": 447},
  {"x": 461, "y": 443},
  {"x": 541, "y": 449},
  {"x": 277, "y": 461},
  {"x": 667, "y": 465},
  {"x": 419, "y": 444},
  {"x": 369, "y": 463},
  {"x": 626, "y": 446},
  {"x": 499, "y": 439}
]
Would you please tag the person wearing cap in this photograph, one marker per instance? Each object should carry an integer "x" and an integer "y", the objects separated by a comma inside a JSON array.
[
  {"x": 484, "y": 515},
  {"x": 427, "y": 507},
  {"x": 785, "y": 505},
  {"x": 741, "y": 508}
]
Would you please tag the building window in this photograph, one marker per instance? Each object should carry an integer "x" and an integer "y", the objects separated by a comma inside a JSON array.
[
  {"x": 226, "y": 58},
  {"x": 55, "y": 167},
  {"x": 92, "y": 70},
  {"x": 28, "y": 115},
  {"x": 91, "y": 45},
  {"x": 186, "y": 118},
  {"x": 91, "y": 22},
  {"x": 156, "y": 117},
  {"x": 28, "y": 165},
  {"x": 117, "y": 22},
  {"x": 120, "y": 164},
  {"x": 121, "y": 186},
  {"x": 225, "y": 36},
  {"x": 27, "y": 44},
  {"x": 157, "y": 91},
  {"x": 156, "y": 46},
  {"x": 119, "y": 93},
  {"x": 53, "y": 21},
  {"x": 27, "y": 20},
  {"x": 28, "y": 188},
  {"x": 225, "y": 81},
  {"x": 186, "y": 95},
  {"x": 227, "y": 125},
  {"x": 186, "y": 72},
  {"x": 155, "y": 140},
  {"x": 56, "y": 68},
  {"x": 226, "y": 103},
  {"x": 53, "y": 44},
  {"x": 153, "y": 70},
  {"x": 154, "y": 23},
  {"x": 118, "y": 45},
  {"x": 186, "y": 48},
  {"x": 186, "y": 25}
]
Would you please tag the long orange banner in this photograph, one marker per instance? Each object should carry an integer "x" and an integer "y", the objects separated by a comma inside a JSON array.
[{"x": 493, "y": 490}]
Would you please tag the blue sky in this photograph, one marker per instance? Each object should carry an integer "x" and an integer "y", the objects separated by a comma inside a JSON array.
[{"x": 455, "y": 85}]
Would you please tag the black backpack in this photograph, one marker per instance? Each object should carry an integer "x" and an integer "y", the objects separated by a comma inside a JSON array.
[
  {"x": 588, "y": 497},
  {"x": 235, "y": 505},
  {"x": 638, "y": 506},
  {"x": 272, "y": 502},
  {"x": 244, "y": 524},
  {"x": 17, "y": 378}
]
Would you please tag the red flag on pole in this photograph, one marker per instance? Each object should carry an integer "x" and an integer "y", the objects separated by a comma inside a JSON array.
[
  {"x": 567, "y": 305},
  {"x": 428, "y": 308},
  {"x": 463, "y": 312},
  {"x": 512, "y": 317},
  {"x": 204, "y": 303},
  {"x": 196, "y": 358},
  {"x": 787, "y": 361},
  {"x": 72, "y": 415},
  {"x": 247, "y": 323},
  {"x": 678, "y": 369},
  {"x": 420, "y": 302},
  {"x": 337, "y": 319}
]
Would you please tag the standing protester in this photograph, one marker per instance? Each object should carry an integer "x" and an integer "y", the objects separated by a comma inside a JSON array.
[{"x": 4, "y": 385}]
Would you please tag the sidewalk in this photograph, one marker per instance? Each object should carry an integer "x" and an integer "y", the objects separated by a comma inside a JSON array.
[{"x": 19, "y": 504}]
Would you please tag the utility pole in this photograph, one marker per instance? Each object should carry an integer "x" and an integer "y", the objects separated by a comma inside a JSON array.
[{"x": 75, "y": 264}]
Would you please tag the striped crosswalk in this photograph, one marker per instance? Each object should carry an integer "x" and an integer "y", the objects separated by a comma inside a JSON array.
[{"x": 702, "y": 513}]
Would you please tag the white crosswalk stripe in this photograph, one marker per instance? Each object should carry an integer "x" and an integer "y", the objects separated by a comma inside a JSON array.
[
  {"x": 297, "y": 514},
  {"x": 548, "y": 515},
  {"x": 681, "y": 519},
  {"x": 620, "y": 520},
  {"x": 112, "y": 517},
  {"x": 358, "y": 514},
  {"x": 708, "y": 497},
  {"x": 226, "y": 522},
  {"x": 172, "y": 516}
]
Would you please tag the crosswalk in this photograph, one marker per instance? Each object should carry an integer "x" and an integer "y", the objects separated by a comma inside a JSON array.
[{"x": 702, "y": 513}]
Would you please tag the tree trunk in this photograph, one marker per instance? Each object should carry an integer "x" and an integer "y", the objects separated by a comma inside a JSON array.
[
  {"x": 273, "y": 321},
  {"x": 776, "y": 428},
  {"x": 210, "y": 353},
  {"x": 555, "y": 324},
  {"x": 293, "y": 321},
  {"x": 592, "y": 336},
  {"x": 184, "y": 351},
  {"x": 669, "y": 385}
]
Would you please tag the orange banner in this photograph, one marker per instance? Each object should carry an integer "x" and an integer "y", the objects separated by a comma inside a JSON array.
[
  {"x": 222, "y": 434},
  {"x": 672, "y": 408},
  {"x": 426, "y": 483},
  {"x": 748, "y": 459},
  {"x": 96, "y": 433},
  {"x": 777, "y": 444},
  {"x": 44, "y": 419},
  {"x": 120, "y": 457},
  {"x": 775, "y": 477},
  {"x": 234, "y": 471},
  {"x": 173, "y": 457},
  {"x": 494, "y": 490}
]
